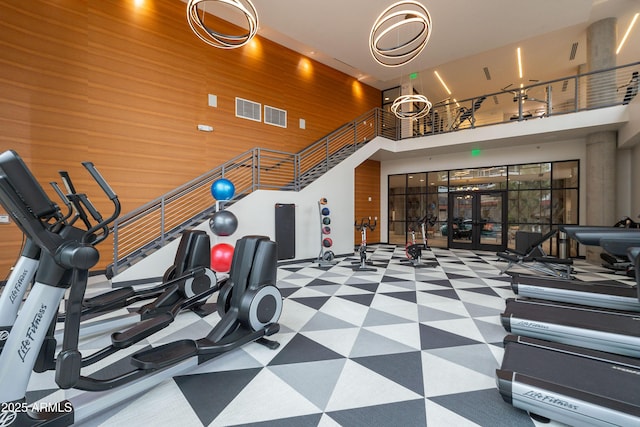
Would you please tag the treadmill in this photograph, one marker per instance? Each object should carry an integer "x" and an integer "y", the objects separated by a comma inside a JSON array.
[
  {"x": 609, "y": 294},
  {"x": 571, "y": 384},
  {"x": 589, "y": 327},
  {"x": 602, "y": 329},
  {"x": 606, "y": 294}
]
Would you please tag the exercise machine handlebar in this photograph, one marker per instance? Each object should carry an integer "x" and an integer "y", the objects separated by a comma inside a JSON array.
[
  {"x": 366, "y": 223},
  {"x": 100, "y": 180},
  {"x": 66, "y": 202}
]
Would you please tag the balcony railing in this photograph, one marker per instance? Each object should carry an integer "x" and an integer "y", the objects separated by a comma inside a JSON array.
[
  {"x": 148, "y": 228},
  {"x": 597, "y": 89}
]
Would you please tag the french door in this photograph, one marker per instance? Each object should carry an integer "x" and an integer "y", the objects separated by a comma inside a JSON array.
[{"x": 477, "y": 220}]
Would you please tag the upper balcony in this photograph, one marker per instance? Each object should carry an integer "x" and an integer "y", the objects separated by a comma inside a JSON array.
[{"x": 542, "y": 110}]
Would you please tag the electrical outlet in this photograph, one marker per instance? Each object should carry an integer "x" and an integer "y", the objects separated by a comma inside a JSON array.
[{"x": 5, "y": 219}]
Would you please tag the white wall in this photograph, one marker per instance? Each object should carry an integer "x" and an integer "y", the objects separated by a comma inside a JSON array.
[{"x": 635, "y": 182}]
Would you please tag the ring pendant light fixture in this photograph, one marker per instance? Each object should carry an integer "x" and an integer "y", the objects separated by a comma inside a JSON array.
[
  {"x": 421, "y": 101},
  {"x": 215, "y": 38},
  {"x": 409, "y": 15},
  {"x": 416, "y": 20}
]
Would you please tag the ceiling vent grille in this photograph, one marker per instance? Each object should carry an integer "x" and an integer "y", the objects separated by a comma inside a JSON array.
[
  {"x": 574, "y": 49},
  {"x": 495, "y": 99},
  {"x": 565, "y": 84},
  {"x": 486, "y": 73},
  {"x": 248, "y": 109},
  {"x": 275, "y": 116}
]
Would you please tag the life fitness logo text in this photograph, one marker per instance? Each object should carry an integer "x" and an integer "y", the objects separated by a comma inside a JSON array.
[
  {"x": 29, "y": 337},
  {"x": 16, "y": 288},
  {"x": 547, "y": 398},
  {"x": 7, "y": 418}
]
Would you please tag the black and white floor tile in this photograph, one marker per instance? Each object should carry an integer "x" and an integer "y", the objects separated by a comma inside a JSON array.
[{"x": 396, "y": 346}]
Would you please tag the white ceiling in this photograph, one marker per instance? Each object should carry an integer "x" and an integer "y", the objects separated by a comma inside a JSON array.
[{"x": 467, "y": 36}]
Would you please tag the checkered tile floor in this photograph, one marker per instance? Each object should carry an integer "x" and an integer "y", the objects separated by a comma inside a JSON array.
[{"x": 396, "y": 346}]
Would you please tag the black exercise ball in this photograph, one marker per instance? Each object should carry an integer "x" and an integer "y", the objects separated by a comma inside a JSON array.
[{"x": 223, "y": 223}]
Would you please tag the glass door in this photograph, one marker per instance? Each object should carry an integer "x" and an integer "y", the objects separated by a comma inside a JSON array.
[{"x": 476, "y": 220}]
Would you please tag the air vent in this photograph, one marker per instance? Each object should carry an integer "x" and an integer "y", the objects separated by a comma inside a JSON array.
[
  {"x": 486, "y": 73},
  {"x": 574, "y": 49},
  {"x": 564, "y": 85},
  {"x": 275, "y": 116},
  {"x": 248, "y": 109},
  {"x": 495, "y": 99}
]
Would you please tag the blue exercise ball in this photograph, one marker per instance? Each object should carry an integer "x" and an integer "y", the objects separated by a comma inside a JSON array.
[
  {"x": 223, "y": 223},
  {"x": 222, "y": 189}
]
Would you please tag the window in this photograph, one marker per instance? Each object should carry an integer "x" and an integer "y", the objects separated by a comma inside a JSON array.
[{"x": 541, "y": 196}]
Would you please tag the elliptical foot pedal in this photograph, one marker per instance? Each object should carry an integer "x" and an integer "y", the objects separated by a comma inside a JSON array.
[
  {"x": 109, "y": 298},
  {"x": 539, "y": 418},
  {"x": 142, "y": 330},
  {"x": 165, "y": 355},
  {"x": 203, "y": 310},
  {"x": 270, "y": 344}
]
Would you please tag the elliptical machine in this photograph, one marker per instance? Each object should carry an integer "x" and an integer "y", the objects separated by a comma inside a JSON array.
[
  {"x": 249, "y": 304},
  {"x": 189, "y": 277},
  {"x": 365, "y": 223},
  {"x": 413, "y": 250}
]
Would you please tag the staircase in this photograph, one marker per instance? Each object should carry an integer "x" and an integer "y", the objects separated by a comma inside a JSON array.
[{"x": 140, "y": 233}]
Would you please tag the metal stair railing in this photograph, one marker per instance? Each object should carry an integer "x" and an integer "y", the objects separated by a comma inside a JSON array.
[
  {"x": 320, "y": 157},
  {"x": 143, "y": 231}
]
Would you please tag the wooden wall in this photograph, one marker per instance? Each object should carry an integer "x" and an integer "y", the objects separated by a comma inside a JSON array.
[
  {"x": 125, "y": 87},
  {"x": 367, "y": 198}
]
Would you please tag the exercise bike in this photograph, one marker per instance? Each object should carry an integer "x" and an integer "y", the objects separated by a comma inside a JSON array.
[
  {"x": 413, "y": 250},
  {"x": 365, "y": 223},
  {"x": 249, "y": 305}
]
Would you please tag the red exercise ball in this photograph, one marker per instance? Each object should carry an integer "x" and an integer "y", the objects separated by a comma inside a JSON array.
[{"x": 221, "y": 256}]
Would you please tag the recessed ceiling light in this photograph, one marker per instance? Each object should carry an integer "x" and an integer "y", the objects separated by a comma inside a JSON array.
[
  {"x": 442, "y": 82},
  {"x": 519, "y": 63},
  {"x": 626, "y": 34}
]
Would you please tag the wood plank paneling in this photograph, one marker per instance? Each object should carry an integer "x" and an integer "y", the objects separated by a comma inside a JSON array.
[
  {"x": 125, "y": 87},
  {"x": 367, "y": 185},
  {"x": 43, "y": 93}
]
